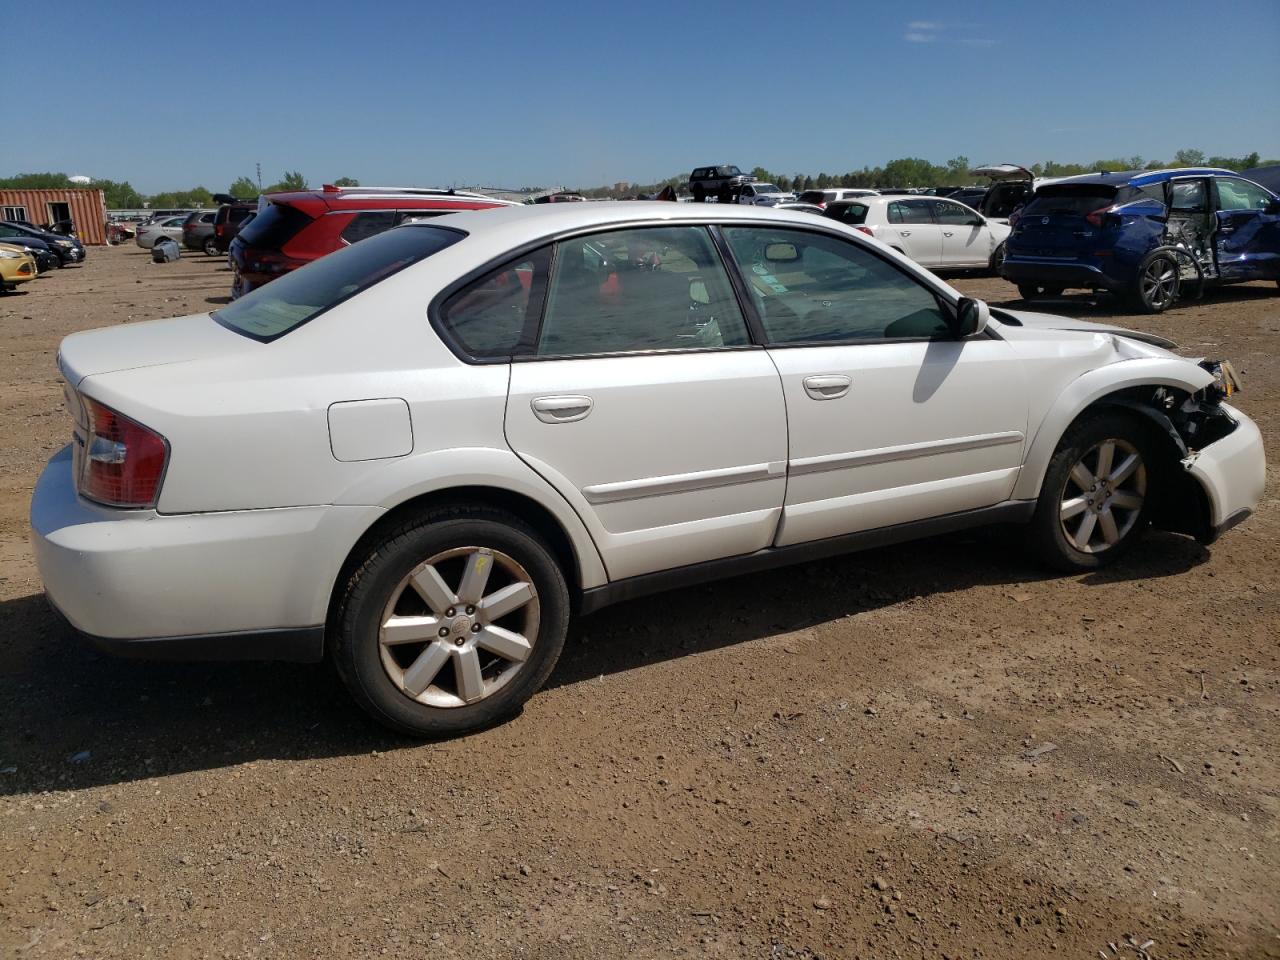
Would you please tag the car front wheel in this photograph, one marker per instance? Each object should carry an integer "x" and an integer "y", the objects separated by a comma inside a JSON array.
[
  {"x": 451, "y": 622},
  {"x": 1093, "y": 503}
]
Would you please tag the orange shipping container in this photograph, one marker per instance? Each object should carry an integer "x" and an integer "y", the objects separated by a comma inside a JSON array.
[{"x": 86, "y": 208}]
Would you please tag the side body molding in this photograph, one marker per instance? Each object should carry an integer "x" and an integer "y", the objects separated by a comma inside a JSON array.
[
  {"x": 396, "y": 482},
  {"x": 1092, "y": 386}
]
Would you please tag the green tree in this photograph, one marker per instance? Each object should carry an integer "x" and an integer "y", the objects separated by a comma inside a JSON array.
[
  {"x": 346, "y": 182},
  {"x": 242, "y": 188},
  {"x": 292, "y": 181},
  {"x": 1189, "y": 158}
]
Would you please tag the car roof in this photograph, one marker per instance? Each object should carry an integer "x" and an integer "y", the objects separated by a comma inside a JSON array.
[
  {"x": 511, "y": 227},
  {"x": 1140, "y": 178}
]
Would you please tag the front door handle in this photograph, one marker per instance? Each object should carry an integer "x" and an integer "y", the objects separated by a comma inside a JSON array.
[
  {"x": 946, "y": 233},
  {"x": 828, "y": 387},
  {"x": 561, "y": 409},
  {"x": 904, "y": 233}
]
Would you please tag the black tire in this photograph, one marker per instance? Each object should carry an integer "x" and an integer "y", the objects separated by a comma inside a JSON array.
[
  {"x": 210, "y": 247},
  {"x": 725, "y": 195},
  {"x": 699, "y": 195},
  {"x": 1156, "y": 284},
  {"x": 1047, "y": 533},
  {"x": 1038, "y": 291},
  {"x": 996, "y": 263},
  {"x": 354, "y": 644}
]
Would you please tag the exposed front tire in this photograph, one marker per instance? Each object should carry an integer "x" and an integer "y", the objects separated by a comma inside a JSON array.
[
  {"x": 1038, "y": 291},
  {"x": 1093, "y": 505},
  {"x": 210, "y": 247},
  {"x": 451, "y": 622},
  {"x": 1156, "y": 287}
]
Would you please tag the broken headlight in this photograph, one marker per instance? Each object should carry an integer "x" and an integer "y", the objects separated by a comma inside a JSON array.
[{"x": 1226, "y": 382}]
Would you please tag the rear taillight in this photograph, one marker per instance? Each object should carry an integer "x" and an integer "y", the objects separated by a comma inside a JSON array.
[
  {"x": 867, "y": 230},
  {"x": 1098, "y": 217},
  {"x": 123, "y": 462}
]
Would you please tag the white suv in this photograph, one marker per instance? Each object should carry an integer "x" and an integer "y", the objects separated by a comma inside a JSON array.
[{"x": 419, "y": 454}]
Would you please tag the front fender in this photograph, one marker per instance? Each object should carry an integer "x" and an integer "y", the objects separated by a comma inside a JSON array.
[
  {"x": 1090, "y": 388},
  {"x": 402, "y": 480}
]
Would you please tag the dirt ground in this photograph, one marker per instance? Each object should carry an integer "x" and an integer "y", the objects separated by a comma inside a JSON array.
[{"x": 845, "y": 759}]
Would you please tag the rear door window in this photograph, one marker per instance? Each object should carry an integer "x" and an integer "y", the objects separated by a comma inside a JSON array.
[
  {"x": 290, "y": 301},
  {"x": 1190, "y": 196},
  {"x": 849, "y": 213}
]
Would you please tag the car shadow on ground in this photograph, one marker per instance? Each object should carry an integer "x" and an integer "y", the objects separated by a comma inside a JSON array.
[
  {"x": 217, "y": 300},
  {"x": 71, "y": 717},
  {"x": 1083, "y": 303}
]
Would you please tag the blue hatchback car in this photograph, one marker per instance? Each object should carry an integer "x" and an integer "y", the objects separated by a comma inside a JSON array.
[{"x": 1145, "y": 235}]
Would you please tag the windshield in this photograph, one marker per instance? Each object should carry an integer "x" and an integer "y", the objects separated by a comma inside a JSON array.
[
  {"x": 287, "y": 303},
  {"x": 727, "y": 171},
  {"x": 766, "y": 188}
]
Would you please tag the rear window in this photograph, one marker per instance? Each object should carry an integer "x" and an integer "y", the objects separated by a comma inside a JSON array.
[
  {"x": 290, "y": 301},
  {"x": 816, "y": 196},
  {"x": 1075, "y": 199},
  {"x": 275, "y": 226},
  {"x": 850, "y": 213}
]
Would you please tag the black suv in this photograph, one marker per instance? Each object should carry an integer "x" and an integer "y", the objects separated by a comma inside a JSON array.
[
  {"x": 724, "y": 183},
  {"x": 230, "y": 218}
]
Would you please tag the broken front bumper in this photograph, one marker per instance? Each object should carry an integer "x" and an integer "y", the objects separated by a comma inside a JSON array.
[{"x": 1232, "y": 471}]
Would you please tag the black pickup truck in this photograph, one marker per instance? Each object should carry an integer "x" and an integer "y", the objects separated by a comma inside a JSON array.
[{"x": 722, "y": 182}]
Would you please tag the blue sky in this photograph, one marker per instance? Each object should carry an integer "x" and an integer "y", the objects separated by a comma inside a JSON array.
[{"x": 546, "y": 93}]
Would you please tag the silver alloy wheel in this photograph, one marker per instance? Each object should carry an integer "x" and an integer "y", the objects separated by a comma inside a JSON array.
[
  {"x": 1160, "y": 282},
  {"x": 447, "y": 647},
  {"x": 1107, "y": 498}
]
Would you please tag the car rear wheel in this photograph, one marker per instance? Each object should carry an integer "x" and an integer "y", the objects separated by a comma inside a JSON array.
[
  {"x": 451, "y": 622},
  {"x": 1093, "y": 503},
  {"x": 210, "y": 247},
  {"x": 699, "y": 195},
  {"x": 1156, "y": 287},
  {"x": 1038, "y": 291}
]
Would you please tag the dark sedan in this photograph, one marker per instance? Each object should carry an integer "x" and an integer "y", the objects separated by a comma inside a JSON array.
[{"x": 68, "y": 249}]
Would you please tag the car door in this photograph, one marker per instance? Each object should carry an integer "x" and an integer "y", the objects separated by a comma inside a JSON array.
[
  {"x": 917, "y": 235},
  {"x": 966, "y": 241},
  {"x": 1247, "y": 230},
  {"x": 644, "y": 402},
  {"x": 891, "y": 419}
]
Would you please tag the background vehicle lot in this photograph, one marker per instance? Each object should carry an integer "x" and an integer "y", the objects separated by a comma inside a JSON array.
[{"x": 721, "y": 770}]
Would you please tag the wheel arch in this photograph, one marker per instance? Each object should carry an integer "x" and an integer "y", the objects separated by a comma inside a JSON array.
[{"x": 1119, "y": 384}]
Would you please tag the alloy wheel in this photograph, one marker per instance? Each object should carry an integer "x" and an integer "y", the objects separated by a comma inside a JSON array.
[
  {"x": 459, "y": 627},
  {"x": 1160, "y": 282},
  {"x": 1103, "y": 496}
]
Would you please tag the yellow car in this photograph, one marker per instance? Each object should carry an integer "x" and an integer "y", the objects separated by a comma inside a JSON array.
[{"x": 16, "y": 266}]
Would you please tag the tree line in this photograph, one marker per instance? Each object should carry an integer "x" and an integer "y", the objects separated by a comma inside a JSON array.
[
  {"x": 916, "y": 172},
  {"x": 120, "y": 194},
  {"x": 903, "y": 172}
]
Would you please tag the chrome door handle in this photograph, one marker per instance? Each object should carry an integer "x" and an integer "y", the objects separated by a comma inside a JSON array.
[
  {"x": 946, "y": 233},
  {"x": 561, "y": 409},
  {"x": 829, "y": 387},
  {"x": 904, "y": 233}
]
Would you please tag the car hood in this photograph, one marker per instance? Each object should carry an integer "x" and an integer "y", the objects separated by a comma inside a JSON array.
[
  {"x": 1013, "y": 319},
  {"x": 149, "y": 344}
]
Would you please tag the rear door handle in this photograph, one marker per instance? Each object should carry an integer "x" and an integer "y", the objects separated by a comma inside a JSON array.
[
  {"x": 946, "y": 233},
  {"x": 561, "y": 409},
  {"x": 904, "y": 233},
  {"x": 827, "y": 387}
]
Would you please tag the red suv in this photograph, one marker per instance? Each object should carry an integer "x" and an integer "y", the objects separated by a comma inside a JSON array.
[{"x": 292, "y": 229}]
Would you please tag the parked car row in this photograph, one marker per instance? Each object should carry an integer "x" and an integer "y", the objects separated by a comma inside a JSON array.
[{"x": 27, "y": 251}]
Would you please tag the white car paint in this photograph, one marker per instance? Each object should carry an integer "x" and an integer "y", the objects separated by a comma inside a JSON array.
[
  {"x": 646, "y": 462},
  {"x": 967, "y": 242},
  {"x": 760, "y": 194}
]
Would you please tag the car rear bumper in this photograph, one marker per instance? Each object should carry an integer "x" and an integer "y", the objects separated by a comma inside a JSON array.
[
  {"x": 1052, "y": 273},
  {"x": 1232, "y": 471},
  {"x": 250, "y": 584}
]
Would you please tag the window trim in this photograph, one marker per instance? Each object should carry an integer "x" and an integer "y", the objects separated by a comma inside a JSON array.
[{"x": 943, "y": 302}]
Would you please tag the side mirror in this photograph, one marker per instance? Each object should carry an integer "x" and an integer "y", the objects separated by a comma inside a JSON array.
[
  {"x": 971, "y": 317},
  {"x": 1274, "y": 206}
]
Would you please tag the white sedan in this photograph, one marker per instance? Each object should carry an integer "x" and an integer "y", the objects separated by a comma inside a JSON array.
[
  {"x": 416, "y": 456},
  {"x": 763, "y": 194},
  {"x": 935, "y": 232}
]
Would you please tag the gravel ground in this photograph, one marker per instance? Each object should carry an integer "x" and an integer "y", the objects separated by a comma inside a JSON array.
[{"x": 850, "y": 758}]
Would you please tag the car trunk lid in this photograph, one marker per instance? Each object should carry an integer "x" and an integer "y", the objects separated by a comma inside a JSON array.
[
  {"x": 148, "y": 344},
  {"x": 1064, "y": 221}
]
